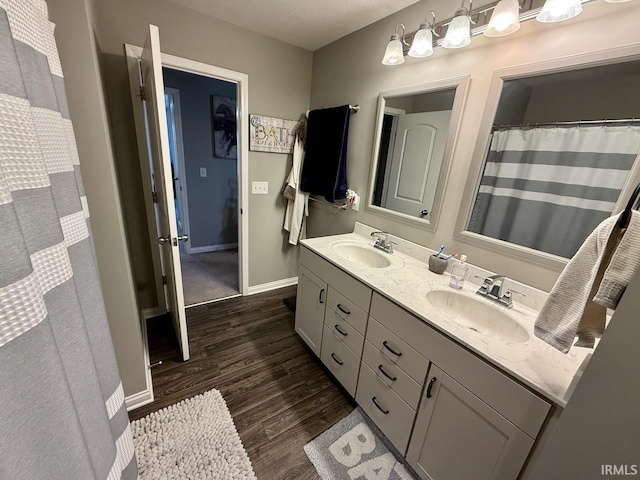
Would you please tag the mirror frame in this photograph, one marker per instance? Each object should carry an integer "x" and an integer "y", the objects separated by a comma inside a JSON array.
[
  {"x": 461, "y": 85},
  {"x": 558, "y": 65}
]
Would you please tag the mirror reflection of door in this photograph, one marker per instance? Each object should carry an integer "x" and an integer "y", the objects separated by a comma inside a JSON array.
[{"x": 416, "y": 158}]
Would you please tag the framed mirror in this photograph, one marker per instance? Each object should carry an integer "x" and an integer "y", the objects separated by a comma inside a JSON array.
[
  {"x": 558, "y": 153},
  {"x": 416, "y": 129}
]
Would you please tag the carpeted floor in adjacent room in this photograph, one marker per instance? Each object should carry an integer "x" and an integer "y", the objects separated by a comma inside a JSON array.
[{"x": 209, "y": 276}]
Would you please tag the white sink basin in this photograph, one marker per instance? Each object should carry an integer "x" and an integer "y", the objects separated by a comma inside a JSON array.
[
  {"x": 362, "y": 255},
  {"x": 477, "y": 315}
]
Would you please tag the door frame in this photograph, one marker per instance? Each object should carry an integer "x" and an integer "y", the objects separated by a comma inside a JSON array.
[
  {"x": 133, "y": 54},
  {"x": 183, "y": 198}
]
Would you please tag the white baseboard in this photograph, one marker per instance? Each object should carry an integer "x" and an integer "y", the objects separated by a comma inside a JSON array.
[
  {"x": 212, "y": 248},
  {"x": 265, "y": 287},
  {"x": 138, "y": 400}
]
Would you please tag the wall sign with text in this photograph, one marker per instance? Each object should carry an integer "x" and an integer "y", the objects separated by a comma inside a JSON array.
[{"x": 267, "y": 134}]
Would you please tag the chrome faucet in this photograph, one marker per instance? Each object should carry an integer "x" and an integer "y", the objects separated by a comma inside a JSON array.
[
  {"x": 493, "y": 287},
  {"x": 383, "y": 243}
]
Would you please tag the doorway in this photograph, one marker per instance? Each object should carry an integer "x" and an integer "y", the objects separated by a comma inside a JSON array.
[
  {"x": 147, "y": 88},
  {"x": 202, "y": 131}
]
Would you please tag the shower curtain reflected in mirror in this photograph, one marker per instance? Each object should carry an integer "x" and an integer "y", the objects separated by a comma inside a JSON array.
[{"x": 548, "y": 188}]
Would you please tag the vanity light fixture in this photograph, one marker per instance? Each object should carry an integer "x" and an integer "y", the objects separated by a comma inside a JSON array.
[
  {"x": 422, "y": 45},
  {"x": 459, "y": 31},
  {"x": 559, "y": 10},
  {"x": 505, "y": 19},
  {"x": 394, "y": 54}
]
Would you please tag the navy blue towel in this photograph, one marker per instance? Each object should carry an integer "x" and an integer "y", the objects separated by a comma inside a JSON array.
[{"x": 324, "y": 171}]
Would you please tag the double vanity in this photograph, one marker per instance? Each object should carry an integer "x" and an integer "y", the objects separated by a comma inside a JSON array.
[{"x": 458, "y": 384}]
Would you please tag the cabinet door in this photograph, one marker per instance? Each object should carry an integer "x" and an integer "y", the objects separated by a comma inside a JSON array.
[
  {"x": 312, "y": 293},
  {"x": 458, "y": 436}
]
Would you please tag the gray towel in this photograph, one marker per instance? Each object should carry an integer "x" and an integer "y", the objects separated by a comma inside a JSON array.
[
  {"x": 623, "y": 266},
  {"x": 569, "y": 310}
]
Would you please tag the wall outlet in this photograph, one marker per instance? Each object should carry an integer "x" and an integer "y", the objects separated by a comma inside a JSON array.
[
  {"x": 259, "y": 188},
  {"x": 203, "y": 172},
  {"x": 355, "y": 205}
]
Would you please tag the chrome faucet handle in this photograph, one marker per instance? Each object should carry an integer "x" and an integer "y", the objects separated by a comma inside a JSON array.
[{"x": 510, "y": 291}]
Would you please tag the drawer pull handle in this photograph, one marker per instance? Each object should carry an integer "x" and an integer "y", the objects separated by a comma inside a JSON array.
[
  {"x": 335, "y": 359},
  {"x": 393, "y": 379},
  {"x": 430, "y": 387},
  {"x": 343, "y": 310},
  {"x": 386, "y": 412},
  {"x": 320, "y": 296},
  {"x": 344, "y": 334},
  {"x": 397, "y": 354}
]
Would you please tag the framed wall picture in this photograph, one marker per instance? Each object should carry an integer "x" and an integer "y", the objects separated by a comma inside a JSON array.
[
  {"x": 268, "y": 134},
  {"x": 223, "y": 111}
]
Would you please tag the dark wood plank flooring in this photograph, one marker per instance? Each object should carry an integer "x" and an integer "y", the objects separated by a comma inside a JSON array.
[{"x": 278, "y": 394}]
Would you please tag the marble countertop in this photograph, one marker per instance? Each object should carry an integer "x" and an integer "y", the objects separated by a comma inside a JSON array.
[{"x": 407, "y": 280}]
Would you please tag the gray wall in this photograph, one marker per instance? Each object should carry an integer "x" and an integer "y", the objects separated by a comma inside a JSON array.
[
  {"x": 76, "y": 46},
  {"x": 349, "y": 71},
  {"x": 601, "y": 424},
  {"x": 212, "y": 212},
  {"x": 279, "y": 86}
]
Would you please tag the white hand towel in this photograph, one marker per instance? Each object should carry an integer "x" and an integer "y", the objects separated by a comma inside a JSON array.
[
  {"x": 562, "y": 313},
  {"x": 623, "y": 266}
]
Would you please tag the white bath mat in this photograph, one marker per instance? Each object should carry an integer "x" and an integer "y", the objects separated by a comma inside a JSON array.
[
  {"x": 354, "y": 448},
  {"x": 194, "y": 439}
]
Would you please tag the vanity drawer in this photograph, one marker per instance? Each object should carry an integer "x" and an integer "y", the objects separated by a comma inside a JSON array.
[
  {"x": 347, "y": 310},
  {"x": 390, "y": 413},
  {"x": 340, "y": 360},
  {"x": 351, "y": 288},
  {"x": 344, "y": 331},
  {"x": 397, "y": 351},
  {"x": 400, "y": 382}
]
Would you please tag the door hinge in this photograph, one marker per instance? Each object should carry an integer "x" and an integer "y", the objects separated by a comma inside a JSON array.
[
  {"x": 143, "y": 95},
  {"x": 164, "y": 279},
  {"x": 154, "y": 195}
]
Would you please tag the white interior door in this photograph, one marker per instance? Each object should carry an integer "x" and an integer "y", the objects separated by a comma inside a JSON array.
[
  {"x": 158, "y": 141},
  {"x": 415, "y": 166}
]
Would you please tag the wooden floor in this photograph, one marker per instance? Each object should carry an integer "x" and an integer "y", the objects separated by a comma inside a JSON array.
[{"x": 278, "y": 394}]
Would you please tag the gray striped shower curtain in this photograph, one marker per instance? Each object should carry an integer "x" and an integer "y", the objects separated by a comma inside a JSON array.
[
  {"x": 548, "y": 188},
  {"x": 62, "y": 409}
]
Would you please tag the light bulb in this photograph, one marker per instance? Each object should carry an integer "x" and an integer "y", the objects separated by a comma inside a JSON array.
[
  {"x": 459, "y": 31},
  {"x": 559, "y": 10},
  {"x": 422, "y": 45},
  {"x": 504, "y": 20},
  {"x": 393, "y": 55}
]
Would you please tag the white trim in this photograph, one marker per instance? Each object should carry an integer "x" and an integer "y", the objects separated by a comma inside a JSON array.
[
  {"x": 461, "y": 84},
  {"x": 562, "y": 64},
  {"x": 183, "y": 197},
  {"x": 242, "y": 80},
  {"x": 139, "y": 399},
  {"x": 215, "y": 300},
  {"x": 145, "y": 396},
  {"x": 266, "y": 287},
  {"x": 212, "y": 248}
]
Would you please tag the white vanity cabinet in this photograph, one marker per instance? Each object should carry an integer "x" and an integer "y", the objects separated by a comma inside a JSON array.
[
  {"x": 457, "y": 435},
  {"x": 451, "y": 413},
  {"x": 473, "y": 422},
  {"x": 331, "y": 316},
  {"x": 310, "y": 307}
]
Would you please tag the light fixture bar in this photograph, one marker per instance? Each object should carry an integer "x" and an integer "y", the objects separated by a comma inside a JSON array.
[{"x": 482, "y": 16}]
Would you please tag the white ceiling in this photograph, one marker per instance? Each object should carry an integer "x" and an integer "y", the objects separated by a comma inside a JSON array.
[{"x": 309, "y": 24}]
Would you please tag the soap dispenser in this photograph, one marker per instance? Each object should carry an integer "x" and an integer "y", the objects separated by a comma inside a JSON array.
[{"x": 459, "y": 273}]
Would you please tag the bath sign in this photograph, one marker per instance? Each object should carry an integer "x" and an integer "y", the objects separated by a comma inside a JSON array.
[{"x": 269, "y": 134}]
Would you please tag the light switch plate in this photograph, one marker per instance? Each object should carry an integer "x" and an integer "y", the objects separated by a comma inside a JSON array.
[
  {"x": 259, "y": 188},
  {"x": 203, "y": 172}
]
